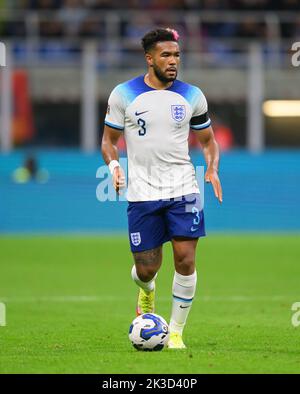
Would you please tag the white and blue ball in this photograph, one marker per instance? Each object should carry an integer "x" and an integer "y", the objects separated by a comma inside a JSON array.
[{"x": 149, "y": 332}]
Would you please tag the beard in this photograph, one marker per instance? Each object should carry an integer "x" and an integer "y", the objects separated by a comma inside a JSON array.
[{"x": 162, "y": 76}]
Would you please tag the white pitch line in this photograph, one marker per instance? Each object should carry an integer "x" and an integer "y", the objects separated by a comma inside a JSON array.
[{"x": 107, "y": 298}]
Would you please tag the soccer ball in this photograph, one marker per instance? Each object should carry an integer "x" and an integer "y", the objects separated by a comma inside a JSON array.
[{"x": 149, "y": 332}]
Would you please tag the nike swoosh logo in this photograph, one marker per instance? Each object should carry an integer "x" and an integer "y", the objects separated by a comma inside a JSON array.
[
  {"x": 184, "y": 307},
  {"x": 140, "y": 113},
  {"x": 193, "y": 229}
]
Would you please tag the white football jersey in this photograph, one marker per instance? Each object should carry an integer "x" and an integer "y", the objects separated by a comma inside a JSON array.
[{"x": 156, "y": 126}]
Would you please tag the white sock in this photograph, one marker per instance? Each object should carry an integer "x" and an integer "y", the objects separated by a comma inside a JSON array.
[
  {"x": 147, "y": 286},
  {"x": 184, "y": 288}
]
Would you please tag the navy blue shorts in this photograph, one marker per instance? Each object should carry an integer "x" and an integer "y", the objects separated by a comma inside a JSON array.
[{"x": 151, "y": 223}]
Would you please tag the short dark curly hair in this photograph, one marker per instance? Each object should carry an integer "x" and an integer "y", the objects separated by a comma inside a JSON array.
[{"x": 152, "y": 37}]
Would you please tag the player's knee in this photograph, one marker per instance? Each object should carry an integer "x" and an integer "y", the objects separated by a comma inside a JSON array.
[
  {"x": 185, "y": 265},
  {"x": 146, "y": 274}
]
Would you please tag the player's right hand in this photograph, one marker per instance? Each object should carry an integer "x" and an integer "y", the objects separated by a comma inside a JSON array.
[{"x": 119, "y": 181}]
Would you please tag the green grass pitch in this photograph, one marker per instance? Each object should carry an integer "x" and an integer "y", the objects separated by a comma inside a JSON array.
[{"x": 70, "y": 300}]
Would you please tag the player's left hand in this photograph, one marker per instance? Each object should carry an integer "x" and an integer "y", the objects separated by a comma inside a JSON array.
[{"x": 211, "y": 176}]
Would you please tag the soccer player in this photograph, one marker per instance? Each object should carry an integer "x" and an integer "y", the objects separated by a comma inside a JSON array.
[{"x": 155, "y": 112}]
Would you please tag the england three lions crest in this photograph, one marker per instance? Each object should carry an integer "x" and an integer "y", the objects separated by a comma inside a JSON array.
[
  {"x": 178, "y": 112},
  {"x": 135, "y": 238}
]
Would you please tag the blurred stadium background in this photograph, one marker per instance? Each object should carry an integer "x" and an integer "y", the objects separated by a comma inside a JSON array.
[{"x": 63, "y": 57}]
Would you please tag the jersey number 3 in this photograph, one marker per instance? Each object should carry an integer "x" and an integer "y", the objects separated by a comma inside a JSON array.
[{"x": 142, "y": 123}]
